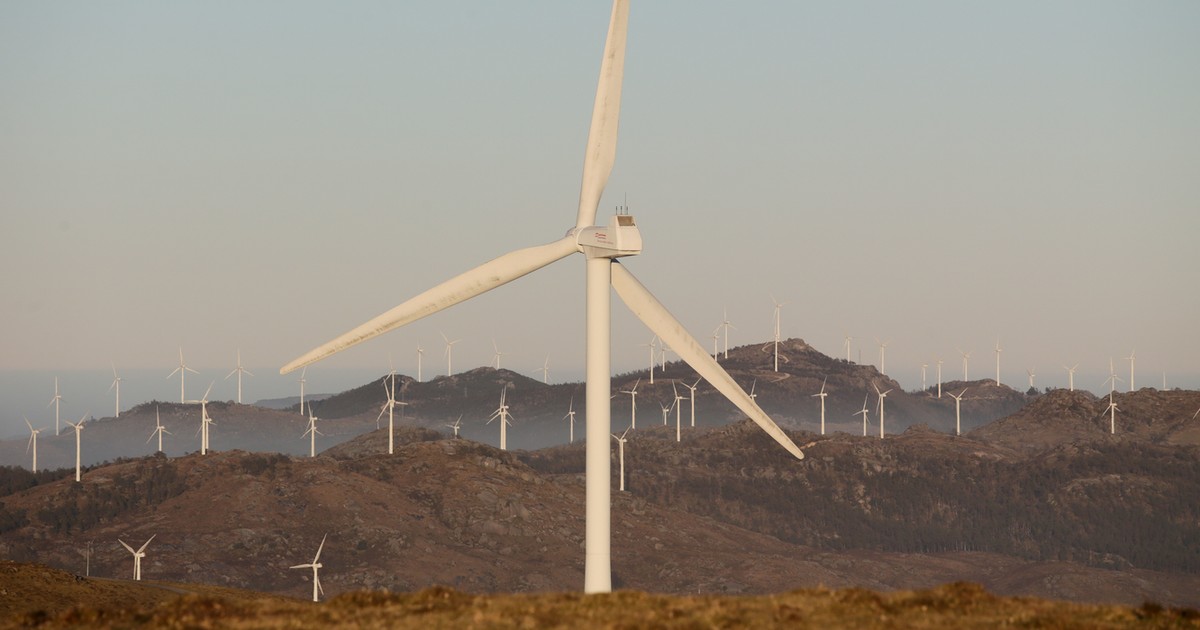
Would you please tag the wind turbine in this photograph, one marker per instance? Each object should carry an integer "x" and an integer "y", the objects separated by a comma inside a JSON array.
[
  {"x": 651, "y": 346},
  {"x": 882, "y": 395},
  {"x": 966, "y": 358},
  {"x": 821, "y": 394},
  {"x": 449, "y": 353},
  {"x": 497, "y": 354},
  {"x": 1032, "y": 374},
  {"x": 1112, "y": 414},
  {"x": 716, "y": 337},
  {"x": 601, "y": 245},
  {"x": 54, "y": 401},
  {"x": 204, "y": 420},
  {"x": 389, "y": 407},
  {"x": 545, "y": 370},
  {"x": 621, "y": 454},
  {"x": 726, "y": 325},
  {"x": 137, "y": 556},
  {"x": 666, "y": 412},
  {"x": 315, "y": 565},
  {"x": 882, "y": 354},
  {"x": 1131, "y": 360},
  {"x": 239, "y": 370},
  {"x": 420, "y": 353},
  {"x": 1071, "y": 376},
  {"x": 182, "y": 370},
  {"x": 33, "y": 433},
  {"x": 78, "y": 428},
  {"x": 692, "y": 399},
  {"x": 939, "y": 376},
  {"x": 998, "y": 351},
  {"x": 778, "y": 307},
  {"x": 159, "y": 429},
  {"x": 678, "y": 411},
  {"x": 864, "y": 413},
  {"x": 313, "y": 433},
  {"x": 502, "y": 414},
  {"x": 302, "y": 381},
  {"x": 848, "y": 340},
  {"x": 924, "y": 386},
  {"x": 1112, "y": 378},
  {"x": 958, "y": 411},
  {"x": 457, "y": 424},
  {"x": 116, "y": 384},
  {"x": 571, "y": 416},
  {"x": 632, "y": 403}
]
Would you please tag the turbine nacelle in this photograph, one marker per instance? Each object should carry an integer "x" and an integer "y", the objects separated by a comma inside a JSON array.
[{"x": 620, "y": 237}]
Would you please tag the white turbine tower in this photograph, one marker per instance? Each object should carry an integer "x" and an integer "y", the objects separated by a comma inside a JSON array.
[
  {"x": 726, "y": 325},
  {"x": 998, "y": 351},
  {"x": 312, "y": 432},
  {"x": 1112, "y": 378},
  {"x": 1032, "y": 373},
  {"x": 420, "y": 354},
  {"x": 501, "y": 414},
  {"x": 137, "y": 556},
  {"x": 600, "y": 245},
  {"x": 204, "y": 419},
  {"x": 632, "y": 403},
  {"x": 159, "y": 429},
  {"x": 315, "y": 565},
  {"x": 182, "y": 370},
  {"x": 864, "y": 413},
  {"x": 456, "y": 426},
  {"x": 821, "y": 394},
  {"x": 1112, "y": 414},
  {"x": 571, "y": 417},
  {"x": 621, "y": 454},
  {"x": 966, "y": 358},
  {"x": 939, "y": 376},
  {"x": 666, "y": 412},
  {"x": 389, "y": 406},
  {"x": 678, "y": 412},
  {"x": 302, "y": 380},
  {"x": 716, "y": 337},
  {"x": 449, "y": 353},
  {"x": 239, "y": 370},
  {"x": 848, "y": 340},
  {"x": 924, "y": 385},
  {"x": 882, "y": 395},
  {"x": 651, "y": 346},
  {"x": 958, "y": 411},
  {"x": 497, "y": 354},
  {"x": 55, "y": 401},
  {"x": 116, "y": 385},
  {"x": 1131, "y": 360},
  {"x": 692, "y": 399},
  {"x": 33, "y": 433},
  {"x": 78, "y": 426},
  {"x": 545, "y": 370},
  {"x": 778, "y": 307},
  {"x": 882, "y": 354},
  {"x": 1071, "y": 376}
]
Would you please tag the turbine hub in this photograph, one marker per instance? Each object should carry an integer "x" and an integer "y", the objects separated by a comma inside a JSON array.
[{"x": 619, "y": 238}]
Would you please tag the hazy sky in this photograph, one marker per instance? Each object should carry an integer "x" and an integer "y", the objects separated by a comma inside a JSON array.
[{"x": 264, "y": 176}]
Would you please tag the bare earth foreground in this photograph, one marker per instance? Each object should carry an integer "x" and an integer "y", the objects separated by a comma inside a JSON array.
[{"x": 36, "y": 596}]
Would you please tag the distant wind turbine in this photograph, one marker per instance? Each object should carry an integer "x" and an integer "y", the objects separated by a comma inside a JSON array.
[
  {"x": 389, "y": 406},
  {"x": 882, "y": 395},
  {"x": 315, "y": 565},
  {"x": 137, "y": 556},
  {"x": 882, "y": 354},
  {"x": 716, "y": 337},
  {"x": 545, "y": 370},
  {"x": 159, "y": 429},
  {"x": 726, "y": 325},
  {"x": 116, "y": 385},
  {"x": 632, "y": 403},
  {"x": 302, "y": 380},
  {"x": 958, "y": 411},
  {"x": 239, "y": 370},
  {"x": 55, "y": 401},
  {"x": 621, "y": 454},
  {"x": 1032, "y": 374},
  {"x": 78, "y": 426},
  {"x": 666, "y": 412},
  {"x": 204, "y": 420},
  {"x": 496, "y": 354},
  {"x": 33, "y": 433},
  {"x": 457, "y": 424},
  {"x": 678, "y": 407},
  {"x": 420, "y": 353},
  {"x": 182, "y": 370},
  {"x": 1112, "y": 378},
  {"x": 1112, "y": 414},
  {"x": 998, "y": 351},
  {"x": 821, "y": 394},
  {"x": 651, "y": 345},
  {"x": 1131, "y": 360},
  {"x": 502, "y": 415},
  {"x": 924, "y": 386},
  {"x": 966, "y": 358},
  {"x": 571, "y": 417},
  {"x": 778, "y": 306},
  {"x": 939, "y": 376},
  {"x": 692, "y": 398},
  {"x": 848, "y": 340},
  {"x": 449, "y": 354},
  {"x": 1071, "y": 376},
  {"x": 312, "y": 432},
  {"x": 864, "y": 413}
]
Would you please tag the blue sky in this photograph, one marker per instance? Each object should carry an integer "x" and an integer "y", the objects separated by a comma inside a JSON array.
[{"x": 220, "y": 175}]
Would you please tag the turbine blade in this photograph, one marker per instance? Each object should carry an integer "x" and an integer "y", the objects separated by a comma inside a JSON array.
[
  {"x": 601, "y": 151},
  {"x": 661, "y": 322},
  {"x": 143, "y": 547},
  {"x": 462, "y": 287},
  {"x": 126, "y": 546},
  {"x": 319, "y": 548}
]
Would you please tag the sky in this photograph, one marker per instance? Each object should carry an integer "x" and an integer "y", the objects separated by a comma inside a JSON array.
[{"x": 216, "y": 176}]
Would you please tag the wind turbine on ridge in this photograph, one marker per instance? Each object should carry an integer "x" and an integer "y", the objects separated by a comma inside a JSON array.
[
  {"x": 848, "y": 340},
  {"x": 1071, "y": 376},
  {"x": 1112, "y": 414},
  {"x": 571, "y": 416},
  {"x": 1112, "y": 378},
  {"x": 204, "y": 420},
  {"x": 545, "y": 370},
  {"x": 966, "y": 356},
  {"x": 455, "y": 427},
  {"x": 182, "y": 370},
  {"x": 1131, "y": 360},
  {"x": 116, "y": 384},
  {"x": 159, "y": 429},
  {"x": 497, "y": 354},
  {"x": 420, "y": 353},
  {"x": 239, "y": 370},
  {"x": 137, "y": 556},
  {"x": 821, "y": 394},
  {"x": 882, "y": 354},
  {"x": 1032, "y": 373},
  {"x": 55, "y": 401},
  {"x": 652, "y": 346},
  {"x": 924, "y": 386},
  {"x": 600, "y": 245},
  {"x": 501, "y": 414},
  {"x": 621, "y": 454},
  {"x": 389, "y": 406},
  {"x": 882, "y": 395},
  {"x": 632, "y": 403},
  {"x": 958, "y": 411},
  {"x": 678, "y": 412},
  {"x": 998, "y": 351},
  {"x": 449, "y": 354},
  {"x": 726, "y": 325},
  {"x": 864, "y": 413},
  {"x": 778, "y": 307},
  {"x": 315, "y": 565},
  {"x": 312, "y": 432},
  {"x": 692, "y": 398},
  {"x": 33, "y": 433},
  {"x": 302, "y": 380},
  {"x": 78, "y": 426}
]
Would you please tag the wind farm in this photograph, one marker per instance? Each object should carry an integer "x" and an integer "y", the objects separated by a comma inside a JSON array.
[{"x": 356, "y": 173}]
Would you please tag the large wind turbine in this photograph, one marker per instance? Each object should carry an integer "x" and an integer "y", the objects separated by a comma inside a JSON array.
[
  {"x": 821, "y": 394},
  {"x": 78, "y": 426},
  {"x": 315, "y": 565},
  {"x": 137, "y": 556},
  {"x": 600, "y": 246},
  {"x": 958, "y": 411},
  {"x": 55, "y": 401},
  {"x": 239, "y": 370},
  {"x": 389, "y": 406},
  {"x": 183, "y": 369},
  {"x": 501, "y": 414},
  {"x": 312, "y": 432},
  {"x": 1112, "y": 414},
  {"x": 33, "y": 433},
  {"x": 621, "y": 454},
  {"x": 882, "y": 395},
  {"x": 632, "y": 403},
  {"x": 159, "y": 429},
  {"x": 571, "y": 417},
  {"x": 116, "y": 385}
]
